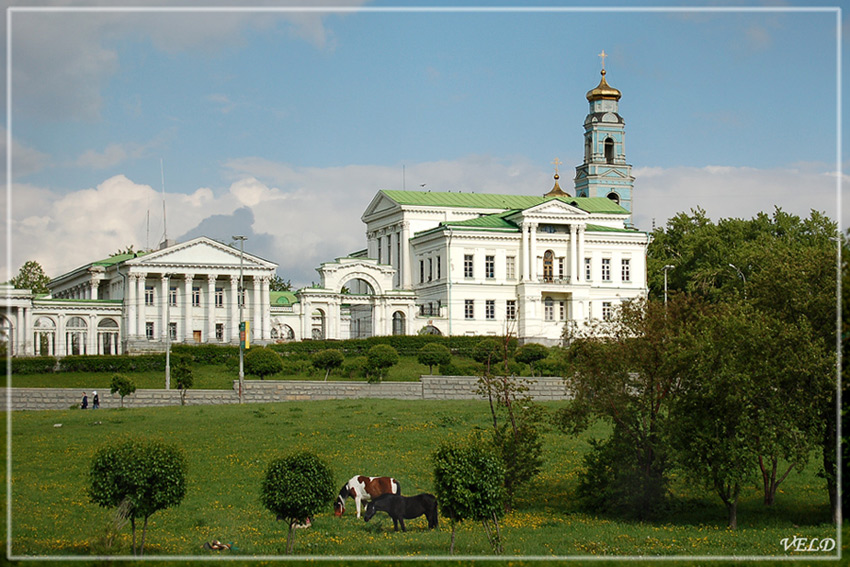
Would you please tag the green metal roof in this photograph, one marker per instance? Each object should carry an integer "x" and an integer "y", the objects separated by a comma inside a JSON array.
[
  {"x": 498, "y": 201},
  {"x": 496, "y": 221},
  {"x": 282, "y": 298},
  {"x": 600, "y": 228},
  {"x": 117, "y": 259}
]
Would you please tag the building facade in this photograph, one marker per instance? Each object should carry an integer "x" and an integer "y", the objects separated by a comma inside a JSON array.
[{"x": 449, "y": 263}]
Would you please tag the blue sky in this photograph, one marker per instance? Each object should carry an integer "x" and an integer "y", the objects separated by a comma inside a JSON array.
[{"x": 283, "y": 126}]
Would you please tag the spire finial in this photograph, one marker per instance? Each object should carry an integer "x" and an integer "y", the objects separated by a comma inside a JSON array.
[
  {"x": 602, "y": 56},
  {"x": 556, "y": 162}
]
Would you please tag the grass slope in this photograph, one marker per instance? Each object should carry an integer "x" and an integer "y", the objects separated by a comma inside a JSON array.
[{"x": 228, "y": 448}]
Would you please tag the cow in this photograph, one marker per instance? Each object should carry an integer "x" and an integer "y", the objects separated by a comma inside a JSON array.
[
  {"x": 365, "y": 488},
  {"x": 402, "y": 508}
]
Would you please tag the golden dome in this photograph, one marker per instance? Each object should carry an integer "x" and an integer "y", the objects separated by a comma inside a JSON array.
[
  {"x": 603, "y": 91},
  {"x": 556, "y": 190}
]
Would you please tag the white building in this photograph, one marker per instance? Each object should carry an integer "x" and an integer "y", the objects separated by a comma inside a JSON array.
[{"x": 454, "y": 263}]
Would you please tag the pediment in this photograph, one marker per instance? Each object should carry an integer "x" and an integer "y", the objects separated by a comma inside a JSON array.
[
  {"x": 613, "y": 173},
  {"x": 200, "y": 251},
  {"x": 380, "y": 203},
  {"x": 555, "y": 207}
]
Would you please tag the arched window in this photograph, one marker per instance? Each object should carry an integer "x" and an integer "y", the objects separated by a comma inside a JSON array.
[
  {"x": 76, "y": 335},
  {"x": 107, "y": 337},
  {"x": 6, "y": 342},
  {"x": 609, "y": 150},
  {"x": 398, "y": 323},
  {"x": 318, "y": 331},
  {"x": 614, "y": 197},
  {"x": 430, "y": 330},
  {"x": 548, "y": 261},
  {"x": 45, "y": 336},
  {"x": 549, "y": 309},
  {"x": 287, "y": 333}
]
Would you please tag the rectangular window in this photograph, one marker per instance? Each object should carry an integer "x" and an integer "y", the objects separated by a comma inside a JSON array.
[
  {"x": 489, "y": 267},
  {"x": 196, "y": 297},
  {"x": 439, "y": 267},
  {"x": 560, "y": 268},
  {"x": 606, "y": 310},
  {"x": 219, "y": 297},
  {"x": 172, "y": 331},
  {"x": 389, "y": 249},
  {"x": 627, "y": 270},
  {"x": 149, "y": 330},
  {"x": 430, "y": 269},
  {"x": 379, "y": 249},
  {"x": 490, "y": 309},
  {"x": 467, "y": 266},
  {"x": 469, "y": 309},
  {"x": 172, "y": 296},
  {"x": 563, "y": 307},
  {"x": 588, "y": 274},
  {"x": 510, "y": 310},
  {"x": 606, "y": 269},
  {"x": 241, "y": 298},
  {"x": 549, "y": 309},
  {"x": 421, "y": 271},
  {"x": 219, "y": 331},
  {"x": 510, "y": 267},
  {"x": 148, "y": 295}
]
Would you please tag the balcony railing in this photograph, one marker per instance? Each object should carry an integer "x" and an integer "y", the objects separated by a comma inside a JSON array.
[{"x": 563, "y": 280}]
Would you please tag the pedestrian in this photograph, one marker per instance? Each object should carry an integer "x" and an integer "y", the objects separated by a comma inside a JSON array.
[
  {"x": 85, "y": 403},
  {"x": 95, "y": 401}
]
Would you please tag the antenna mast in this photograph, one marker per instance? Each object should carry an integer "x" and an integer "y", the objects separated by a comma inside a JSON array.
[{"x": 164, "y": 223}]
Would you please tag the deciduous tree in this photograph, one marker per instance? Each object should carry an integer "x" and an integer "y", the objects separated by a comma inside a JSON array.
[
  {"x": 123, "y": 385},
  {"x": 434, "y": 354},
  {"x": 327, "y": 360},
  {"x": 31, "y": 276}
]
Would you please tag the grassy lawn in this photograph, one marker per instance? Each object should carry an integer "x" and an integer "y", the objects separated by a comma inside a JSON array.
[{"x": 228, "y": 448}]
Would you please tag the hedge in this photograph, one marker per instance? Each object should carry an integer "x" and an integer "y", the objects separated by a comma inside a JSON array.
[
  {"x": 405, "y": 345},
  {"x": 109, "y": 363},
  {"x": 207, "y": 353},
  {"x": 33, "y": 365}
]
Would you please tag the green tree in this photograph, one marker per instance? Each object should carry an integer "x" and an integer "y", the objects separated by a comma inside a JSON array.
[
  {"x": 277, "y": 283},
  {"x": 327, "y": 360},
  {"x": 469, "y": 485},
  {"x": 142, "y": 475},
  {"x": 262, "y": 362},
  {"x": 184, "y": 377},
  {"x": 530, "y": 354},
  {"x": 296, "y": 487},
  {"x": 123, "y": 385},
  {"x": 380, "y": 357},
  {"x": 31, "y": 276},
  {"x": 434, "y": 354}
]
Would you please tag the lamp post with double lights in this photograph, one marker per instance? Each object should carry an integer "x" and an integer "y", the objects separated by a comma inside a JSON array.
[{"x": 242, "y": 330}]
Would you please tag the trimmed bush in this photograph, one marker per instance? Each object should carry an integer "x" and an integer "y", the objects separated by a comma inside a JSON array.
[
  {"x": 327, "y": 360},
  {"x": 262, "y": 362},
  {"x": 379, "y": 358},
  {"x": 434, "y": 354},
  {"x": 207, "y": 353},
  {"x": 34, "y": 365},
  {"x": 123, "y": 385}
]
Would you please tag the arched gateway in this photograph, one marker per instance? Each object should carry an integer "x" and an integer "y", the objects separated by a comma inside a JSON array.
[{"x": 357, "y": 299}]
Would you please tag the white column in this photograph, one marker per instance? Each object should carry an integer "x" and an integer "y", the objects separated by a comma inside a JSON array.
[
  {"x": 580, "y": 254},
  {"x": 60, "y": 349},
  {"x": 91, "y": 336},
  {"x": 209, "y": 309},
  {"x": 257, "y": 300},
  {"x": 130, "y": 300},
  {"x": 533, "y": 258},
  {"x": 405, "y": 253},
  {"x": 163, "y": 307},
  {"x": 234, "y": 309},
  {"x": 573, "y": 262},
  {"x": 140, "y": 305},
  {"x": 187, "y": 308},
  {"x": 266, "y": 307},
  {"x": 523, "y": 253}
]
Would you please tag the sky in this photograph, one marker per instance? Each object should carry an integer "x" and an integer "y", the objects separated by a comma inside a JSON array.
[{"x": 125, "y": 127}]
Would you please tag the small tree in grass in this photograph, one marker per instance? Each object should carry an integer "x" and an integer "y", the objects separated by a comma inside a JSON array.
[
  {"x": 262, "y": 362},
  {"x": 123, "y": 385},
  {"x": 380, "y": 357},
  {"x": 327, "y": 360},
  {"x": 434, "y": 354},
  {"x": 296, "y": 487},
  {"x": 531, "y": 353},
  {"x": 182, "y": 374},
  {"x": 140, "y": 476},
  {"x": 469, "y": 482}
]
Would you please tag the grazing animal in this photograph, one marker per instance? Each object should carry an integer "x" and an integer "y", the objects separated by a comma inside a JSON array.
[
  {"x": 401, "y": 508},
  {"x": 365, "y": 488}
]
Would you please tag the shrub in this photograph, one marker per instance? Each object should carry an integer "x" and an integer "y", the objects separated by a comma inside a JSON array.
[
  {"x": 262, "y": 362},
  {"x": 295, "y": 488},
  {"x": 327, "y": 360},
  {"x": 434, "y": 354},
  {"x": 355, "y": 367},
  {"x": 33, "y": 365},
  {"x": 530, "y": 354},
  {"x": 379, "y": 358},
  {"x": 142, "y": 476},
  {"x": 123, "y": 385},
  {"x": 182, "y": 374},
  {"x": 207, "y": 353}
]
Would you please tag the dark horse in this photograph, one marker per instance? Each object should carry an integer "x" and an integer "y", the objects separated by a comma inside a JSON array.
[
  {"x": 402, "y": 508},
  {"x": 365, "y": 488}
]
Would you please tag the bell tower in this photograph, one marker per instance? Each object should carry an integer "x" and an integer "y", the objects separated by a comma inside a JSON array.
[{"x": 605, "y": 172}]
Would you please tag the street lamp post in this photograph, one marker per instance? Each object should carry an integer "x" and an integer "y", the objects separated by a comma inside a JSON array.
[
  {"x": 744, "y": 279},
  {"x": 240, "y": 301},
  {"x": 667, "y": 267},
  {"x": 167, "y": 331}
]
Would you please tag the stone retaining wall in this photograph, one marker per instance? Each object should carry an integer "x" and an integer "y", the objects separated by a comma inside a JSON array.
[{"x": 264, "y": 391}]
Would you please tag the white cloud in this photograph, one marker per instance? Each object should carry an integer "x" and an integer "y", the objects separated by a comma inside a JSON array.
[{"x": 300, "y": 217}]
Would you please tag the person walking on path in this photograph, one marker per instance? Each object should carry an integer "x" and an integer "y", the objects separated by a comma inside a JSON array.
[
  {"x": 95, "y": 402},
  {"x": 85, "y": 403}
]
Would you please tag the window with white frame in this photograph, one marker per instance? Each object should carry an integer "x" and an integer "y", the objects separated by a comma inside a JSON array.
[
  {"x": 588, "y": 273},
  {"x": 606, "y": 269},
  {"x": 467, "y": 266},
  {"x": 469, "y": 309},
  {"x": 172, "y": 296},
  {"x": 549, "y": 309},
  {"x": 627, "y": 270},
  {"x": 196, "y": 297},
  {"x": 148, "y": 295},
  {"x": 510, "y": 267},
  {"x": 490, "y": 309},
  {"x": 172, "y": 331},
  {"x": 421, "y": 271},
  {"x": 219, "y": 297},
  {"x": 561, "y": 268},
  {"x": 563, "y": 310},
  {"x": 606, "y": 310},
  {"x": 510, "y": 310},
  {"x": 149, "y": 330},
  {"x": 489, "y": 267},
  {"x": 219, "y": 331}
]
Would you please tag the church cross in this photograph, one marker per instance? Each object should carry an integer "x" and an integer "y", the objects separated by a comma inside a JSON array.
[
  {"x": 603, "y": 55},
  {"x": 557, "y": 162}
]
